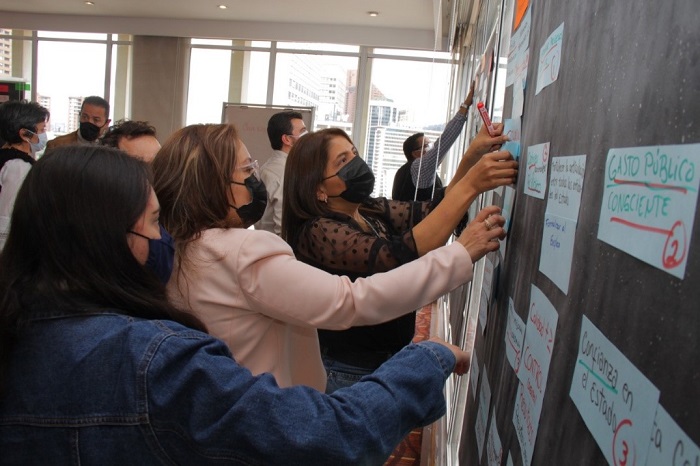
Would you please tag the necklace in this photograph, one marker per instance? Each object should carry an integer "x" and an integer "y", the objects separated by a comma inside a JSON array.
[{"x": 367, "y": 222}]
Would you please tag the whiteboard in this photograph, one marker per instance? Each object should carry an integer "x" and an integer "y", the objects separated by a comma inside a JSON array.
[{"x": 251, "y": 122}]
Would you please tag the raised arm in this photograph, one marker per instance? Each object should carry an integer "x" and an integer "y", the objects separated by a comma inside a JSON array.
[{"x": 423, "y": 168}]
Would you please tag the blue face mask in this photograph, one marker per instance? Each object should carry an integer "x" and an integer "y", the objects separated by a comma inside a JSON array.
[{"x": 161, "y": 253}]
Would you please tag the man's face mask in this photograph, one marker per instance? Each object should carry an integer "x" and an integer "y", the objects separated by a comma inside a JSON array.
[
  {"x": 89, "y": 131},
  {"x": 252, "y": 212},
  {"x": 358, "y": 178}
]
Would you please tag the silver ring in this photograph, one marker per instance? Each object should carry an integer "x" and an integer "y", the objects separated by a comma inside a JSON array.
[{"x": 488, "y": 224}]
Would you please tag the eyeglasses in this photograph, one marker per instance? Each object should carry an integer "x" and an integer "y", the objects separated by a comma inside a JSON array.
[{"x": 251, "y": 168}]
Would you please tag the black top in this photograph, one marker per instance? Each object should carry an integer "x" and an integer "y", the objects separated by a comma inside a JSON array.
[
  {"x": 404, "y": 188},
  {"x": 337, "y": 244}
]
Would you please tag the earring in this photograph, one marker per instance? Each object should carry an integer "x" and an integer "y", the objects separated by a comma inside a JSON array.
[{"x": 323, "y": 197}]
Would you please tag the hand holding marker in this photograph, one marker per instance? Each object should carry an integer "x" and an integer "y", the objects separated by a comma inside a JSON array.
[{"x": 487, "y": 121}]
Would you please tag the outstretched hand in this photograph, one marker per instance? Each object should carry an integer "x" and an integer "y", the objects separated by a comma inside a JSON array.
[
  {"x": 491, "y": 171},
  {"x": 470, "y": 95},
  {"x": 484, "y": 143},
  {"x": 481, "y": 235},
  {"x": 463, "y": 358}
]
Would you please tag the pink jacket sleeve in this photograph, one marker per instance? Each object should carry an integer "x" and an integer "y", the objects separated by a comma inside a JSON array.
[{"x": 274, "y": 283}]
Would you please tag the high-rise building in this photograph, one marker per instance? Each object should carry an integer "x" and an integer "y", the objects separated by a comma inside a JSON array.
[
  {"x": 382, "y": 112},
  {"x": 298, "y": 81},
  {"x": 333, "y": 94},
  {"x": 5, "y": 52},
  {"x": 73, "y": 117}
]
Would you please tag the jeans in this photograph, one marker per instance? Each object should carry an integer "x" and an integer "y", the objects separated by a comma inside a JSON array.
[{"x": 341, "y": 375}]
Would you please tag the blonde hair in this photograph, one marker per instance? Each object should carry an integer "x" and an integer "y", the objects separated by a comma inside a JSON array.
[{"x": 192, "y": 176}]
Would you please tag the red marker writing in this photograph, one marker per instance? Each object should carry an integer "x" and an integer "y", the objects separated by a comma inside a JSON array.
[{"x": 487, "y": 121}]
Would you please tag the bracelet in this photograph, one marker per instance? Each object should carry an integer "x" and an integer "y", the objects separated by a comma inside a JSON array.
[{"x": 464, "y": 106}]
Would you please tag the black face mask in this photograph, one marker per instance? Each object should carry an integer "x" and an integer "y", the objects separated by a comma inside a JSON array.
[
  {"x": 358, "y": 178},
  {"x": 251, "y": 213},
  {"x": 89, "y": 131}
]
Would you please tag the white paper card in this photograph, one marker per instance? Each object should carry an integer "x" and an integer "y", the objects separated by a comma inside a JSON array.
[
  {"x": 649, "y": 203},
  {"x": 536, "y": 170},
  {"x": 616, "y": 401},
  {"x": 669, "y": 444},
  {"x": 494, "y": 449},
  {"x": 550, "y": 59},
  {"x": 515, "y": 333}
]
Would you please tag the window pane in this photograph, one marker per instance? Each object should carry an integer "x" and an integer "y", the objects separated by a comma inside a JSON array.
[
  {"x": 208, "y": 86},
  {"x": 260, "y": 43},
  {"x": 71, "y": 35},
  {"x": 318, "y": 47},
  {"x": 254, "y": 89},
  {"x": 62, "y": 93},
  {"x": 417, "y": 102},
  {"x": 319, "y": 81}
]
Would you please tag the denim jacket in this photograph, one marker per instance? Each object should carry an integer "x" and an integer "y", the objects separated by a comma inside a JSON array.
[{"x": 107, "y": 389}]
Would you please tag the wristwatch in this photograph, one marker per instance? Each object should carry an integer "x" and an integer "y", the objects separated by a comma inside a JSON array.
[{"x": 464, "y": 106}]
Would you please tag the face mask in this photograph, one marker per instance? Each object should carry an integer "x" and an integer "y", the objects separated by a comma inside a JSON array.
[
  {"x": 38, "y": 146},
  {"x": 251, "y": 213},
  {"x": 358, "y": 178},
  {"x": 89, "y": 131},
  {"x": 161, "y": 253}
]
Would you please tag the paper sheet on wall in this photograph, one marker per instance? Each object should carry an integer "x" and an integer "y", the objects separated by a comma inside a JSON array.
[
  {"x": 649, "y": 203},
  {"x": 518, "y": 98},
  {"x": 536, "y": 170},
  {"x": 533, "y": 371},
  {"x": 518, "y": 52},
  {"x": 669, "y": 444},
  {"x": 616, "y": 401},
  {"x": 561, "y": 218},
  {"x": 494, "y": 448},
  {"x": 515, "y": 333},
  {"x": 550, "y": 59},
  {"x": 482, "y": 415},
  {"x": 473, "y": 373}
]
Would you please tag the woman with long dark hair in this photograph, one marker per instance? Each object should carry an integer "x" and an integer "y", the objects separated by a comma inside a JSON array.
[
  {"x": 332, "y": 223},
  {"x": 96, "y": 367}
]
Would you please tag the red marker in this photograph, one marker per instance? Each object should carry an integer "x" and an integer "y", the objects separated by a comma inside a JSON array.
[{"x": 487, "y": 121}]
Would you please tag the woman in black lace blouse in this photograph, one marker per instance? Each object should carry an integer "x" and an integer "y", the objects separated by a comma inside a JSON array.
[{"x": 332, "y": 223}]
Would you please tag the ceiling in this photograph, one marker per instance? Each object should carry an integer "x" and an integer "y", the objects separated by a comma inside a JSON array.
[{"x": 419, "y": 24}]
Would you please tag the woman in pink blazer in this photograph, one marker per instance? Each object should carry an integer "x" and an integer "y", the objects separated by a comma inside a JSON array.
[{"x": 247, "y": 287}]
